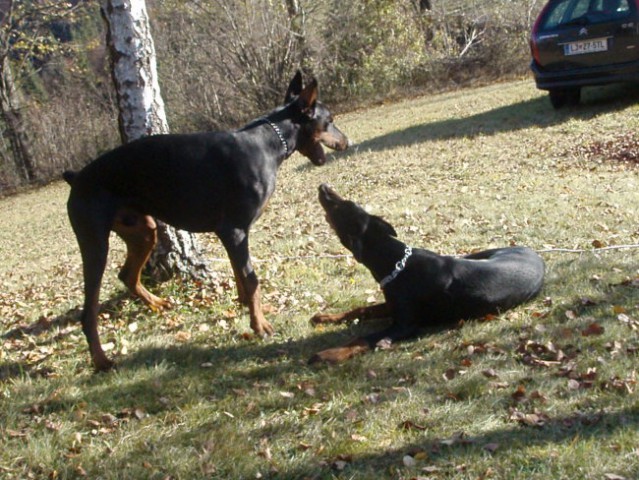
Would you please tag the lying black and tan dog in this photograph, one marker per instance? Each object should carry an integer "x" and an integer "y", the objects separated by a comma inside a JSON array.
[
  {"x": 207, "y": 182},
  {"x": 422, "y": 288}
]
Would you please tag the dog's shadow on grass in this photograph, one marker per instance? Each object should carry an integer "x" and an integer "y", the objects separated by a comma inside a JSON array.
[
  {"x": 220, "y": 370},
  {"x": 275, "y": 356},
  {"x": 43, "y": 325},
  {"x": 187, "y": 356}
]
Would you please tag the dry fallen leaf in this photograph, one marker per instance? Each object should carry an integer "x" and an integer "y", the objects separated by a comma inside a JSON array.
[
  {"x": 573, "y": 384},
  {"x": 409, "y": 425},
  {"x": 519, "y": 395},
  {"x": 409, "y": 461},
  {"x": 182, "y": 336},
  {"x": 431, "y": 469},
  {"x": 592, "y": 329},
  {"x": 535, "y": 419},
  {"x": 420, "y": 456},
  {"x": 491, "y": 447},
  {"x": 339, "y": 465},
  {"x": 458, "y": 438},
  {"x": 450, "y": 374},
  {"x": 489, "y": 373},
  {"x": 570, "y": 314}
]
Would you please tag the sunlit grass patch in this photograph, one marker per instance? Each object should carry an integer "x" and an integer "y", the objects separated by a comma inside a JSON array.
[{"x": 547, "y": 390}]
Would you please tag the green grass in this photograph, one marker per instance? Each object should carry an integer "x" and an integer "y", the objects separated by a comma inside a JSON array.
[{"x": 536, "y": 393}]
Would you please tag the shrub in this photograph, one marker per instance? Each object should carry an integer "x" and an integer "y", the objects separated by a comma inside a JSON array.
[{"x": 221, "y": 63}]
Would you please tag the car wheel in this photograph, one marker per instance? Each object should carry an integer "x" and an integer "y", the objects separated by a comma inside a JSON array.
[
  {"x": 573, "y": 95},
  {"x": 564, "y": 97}
]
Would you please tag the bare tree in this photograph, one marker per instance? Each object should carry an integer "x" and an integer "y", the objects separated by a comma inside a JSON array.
[
  {"x": 297, "y": 20},
  {"x": 142, "y": 113},
  {"x": 11, "y": 100},
  {"x": 11, "y": 107}
]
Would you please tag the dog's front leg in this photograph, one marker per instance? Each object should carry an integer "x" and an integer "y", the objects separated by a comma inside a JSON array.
[
  {"x": 235, "y": 242},
  {"x": 404, "y": 326}
]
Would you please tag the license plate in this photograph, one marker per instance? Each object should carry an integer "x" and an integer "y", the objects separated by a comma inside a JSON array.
[{"x": 586, "y": 46}]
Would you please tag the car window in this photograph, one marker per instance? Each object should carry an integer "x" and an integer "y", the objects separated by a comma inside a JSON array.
[
  {"x": 583, "y": 12},
  {"x": 580, "y": 9},
  {"x": 611, "y": 8},
  {"x": 555, "y": 14}
]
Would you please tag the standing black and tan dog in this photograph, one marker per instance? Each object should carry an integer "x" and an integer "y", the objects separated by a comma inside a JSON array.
[
  {"x": 422, "y": 288},
  {"x": 207, "y": 182}
]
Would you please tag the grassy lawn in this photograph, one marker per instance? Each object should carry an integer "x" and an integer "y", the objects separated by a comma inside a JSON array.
[{"x": 546, "y": 391}]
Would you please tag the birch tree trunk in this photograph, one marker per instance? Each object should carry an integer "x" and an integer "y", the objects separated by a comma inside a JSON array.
[{"x": 142, "y": 113}]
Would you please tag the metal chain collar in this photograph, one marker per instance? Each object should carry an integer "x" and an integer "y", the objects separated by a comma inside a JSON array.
[
  {"x": 399, "y": 267},
  {"x": 279, "y": 134}
]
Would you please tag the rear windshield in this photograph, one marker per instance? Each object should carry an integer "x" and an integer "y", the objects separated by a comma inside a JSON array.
[{"x": 583, "y": 12}]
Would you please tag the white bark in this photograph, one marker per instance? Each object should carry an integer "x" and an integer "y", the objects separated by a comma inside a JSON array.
[
  {"x": 134, "y": 69},
  {"x": 142, "y": 113}
]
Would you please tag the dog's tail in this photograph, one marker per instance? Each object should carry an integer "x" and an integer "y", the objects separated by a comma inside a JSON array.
[{"x": 69, "y": 176}]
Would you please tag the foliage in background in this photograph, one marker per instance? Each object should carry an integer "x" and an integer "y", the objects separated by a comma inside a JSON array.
[
  {"x": 56, "y": 103},
  {"x": 369, "y": 47},
  {"x": 224, "y": 62}
]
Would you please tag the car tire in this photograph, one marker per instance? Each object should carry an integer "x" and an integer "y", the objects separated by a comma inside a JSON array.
[{"x": 565, "y": 97}]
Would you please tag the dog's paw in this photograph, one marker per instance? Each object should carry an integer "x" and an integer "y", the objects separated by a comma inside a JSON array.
[
  {"x": 339, "y": 354},
  {"x": 104, "y": 365},
  {"x": 325, "y": 356},
  {"x": 323, "y": 318},
  {"x": 317, "y": 319},
  {"x": 263, "y": 329}
]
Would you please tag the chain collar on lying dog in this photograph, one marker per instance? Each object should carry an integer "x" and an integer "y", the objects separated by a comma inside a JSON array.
[
  {"x": 278, "y": 132},
  {"x": 399, "y": 267}
]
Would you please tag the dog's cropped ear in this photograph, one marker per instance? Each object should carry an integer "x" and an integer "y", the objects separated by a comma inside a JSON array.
[
  {"x": 382, "y": 226},
  {"x": 308, "y": 98},
  {"x": 294, "y": 88}
]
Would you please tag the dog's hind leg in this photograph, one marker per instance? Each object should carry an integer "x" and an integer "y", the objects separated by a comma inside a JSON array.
[
  {"x": 139, "y": 232},
  {"x": 370, "y": 312},
  {"x": 92, "y": 232},
  {"x": 94, "y": 256}
]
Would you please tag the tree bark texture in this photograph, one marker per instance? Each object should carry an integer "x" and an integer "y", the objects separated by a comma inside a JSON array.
[
  {"x": 134, "y": 69},
  {"x": 11, "y": 108},
  {"x": 297, "y": 20},
  {"x": 142, "y": 113}
]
